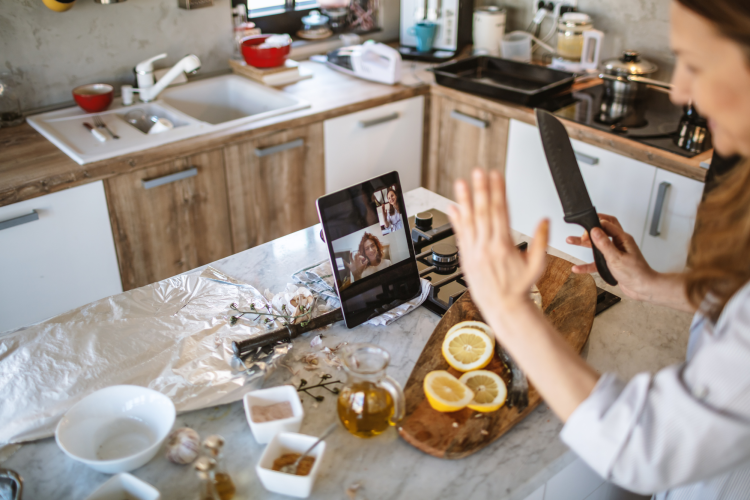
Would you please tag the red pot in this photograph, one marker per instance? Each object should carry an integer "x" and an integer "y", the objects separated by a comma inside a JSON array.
[
  {"x": 94, "y": 97},
  {"x": 263, "y": 57}
]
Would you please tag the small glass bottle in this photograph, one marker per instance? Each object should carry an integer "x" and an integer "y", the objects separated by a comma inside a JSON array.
[
  {"x": 222, "y": 480},
  {"x": 205, "y": 467},
  {"x": 10, "y": 105}
]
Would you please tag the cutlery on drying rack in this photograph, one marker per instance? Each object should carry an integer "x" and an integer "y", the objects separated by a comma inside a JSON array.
[{"x": 100, "y": 124}]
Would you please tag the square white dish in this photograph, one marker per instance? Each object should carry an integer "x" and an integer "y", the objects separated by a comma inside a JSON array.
[
  {"x": 264, "y": 432},
  {"x": 125, "y": 485},
  {"x": 281, "y": 482}
]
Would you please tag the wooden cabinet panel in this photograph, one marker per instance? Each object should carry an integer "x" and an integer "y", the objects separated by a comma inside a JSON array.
[
  {"x": 173, "y": 227},
  {"x": 273, "y": 182},
  {"x": 463, "y": 137}
]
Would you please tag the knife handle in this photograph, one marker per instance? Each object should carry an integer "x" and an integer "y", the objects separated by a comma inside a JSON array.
[{"x": 589, "y": 220}]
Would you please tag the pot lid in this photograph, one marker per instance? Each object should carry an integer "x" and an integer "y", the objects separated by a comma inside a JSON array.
[
  {"x": 314, "y": 19},
  {"x": 630, "y": 63}
]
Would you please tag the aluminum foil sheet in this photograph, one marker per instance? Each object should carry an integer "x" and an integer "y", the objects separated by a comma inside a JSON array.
[{"x": 173, "y": 336}]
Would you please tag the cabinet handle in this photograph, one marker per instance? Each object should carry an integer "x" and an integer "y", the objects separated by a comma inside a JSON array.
[
  {"x": 378, "y": 121},
  {"x": 19, "y": 220},
  {"x": 160, "y": 181},
  {"x": 469, "y": 119},
  {"x": 587, "y": 159},
  {"x": 261, "y": 152},
  {"x": 660, "y": 196}
]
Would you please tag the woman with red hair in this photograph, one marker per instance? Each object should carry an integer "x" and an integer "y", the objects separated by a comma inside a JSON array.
[{"x": 369, "y": 259}]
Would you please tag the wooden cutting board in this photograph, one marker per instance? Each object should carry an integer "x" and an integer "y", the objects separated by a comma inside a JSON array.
[{"x": 569, "y": 302}]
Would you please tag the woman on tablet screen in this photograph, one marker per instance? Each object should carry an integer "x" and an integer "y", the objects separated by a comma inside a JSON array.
[
  {"x": 369, "y": 259},
  {"x": 393, "y": 216}
]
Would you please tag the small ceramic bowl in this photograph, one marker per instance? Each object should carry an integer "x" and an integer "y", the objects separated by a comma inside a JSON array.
[
  {"x": 116, "y": 429},
  {"x": 94, "y": 97},
  {"x": 264, "y": 432},
  {"x": 281, "y": 482},
  {"x": 263, "y": 57},
  {"x": 124, "y": 485}
]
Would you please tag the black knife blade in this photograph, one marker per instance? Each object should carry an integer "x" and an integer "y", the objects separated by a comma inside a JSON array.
[{"x": 571, "y": 189}]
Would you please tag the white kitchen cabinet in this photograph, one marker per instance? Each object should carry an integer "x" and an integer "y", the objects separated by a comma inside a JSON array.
[
  {"x": 671, "y": 220},
  {"x": 56, "y": 253},
  {"x": 374, "y": 141},
  {"x": 618, "y": 186}
]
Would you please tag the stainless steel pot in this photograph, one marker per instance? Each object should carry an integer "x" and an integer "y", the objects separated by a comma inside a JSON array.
[{"x": 625, "y": 79}]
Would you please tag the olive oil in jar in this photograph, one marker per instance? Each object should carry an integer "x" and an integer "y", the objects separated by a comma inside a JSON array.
[{"x": 365, "y": 409}]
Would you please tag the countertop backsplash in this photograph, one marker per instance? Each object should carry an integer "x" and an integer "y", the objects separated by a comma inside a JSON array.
[{"x": 50, "y": 53}]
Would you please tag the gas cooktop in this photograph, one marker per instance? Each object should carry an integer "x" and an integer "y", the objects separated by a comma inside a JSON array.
[{"x": 437, "y": 261}]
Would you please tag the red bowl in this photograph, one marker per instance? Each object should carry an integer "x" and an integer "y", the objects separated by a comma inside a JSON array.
[
  {"x": 263, "y": 57},
  {"x": 94, "y": 97}
]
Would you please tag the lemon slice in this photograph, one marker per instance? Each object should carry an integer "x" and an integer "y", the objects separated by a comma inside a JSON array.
[
  {"x": 489, "y": 390},
  {"x": 476, "y": 326},
  {"x": 445, "y": 393},
  {"x": 468, "y": 349}
]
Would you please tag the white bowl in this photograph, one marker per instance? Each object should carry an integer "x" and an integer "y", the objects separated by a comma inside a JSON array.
[
  {"x": 264, "y": 432},
  {"x": 281, "y": 482},
  {"x": 125, "y": 486},
  {"x": 116, "y": 429}
]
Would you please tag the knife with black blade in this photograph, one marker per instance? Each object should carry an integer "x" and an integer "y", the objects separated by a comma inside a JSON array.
[{"x": 569, "y": 183}]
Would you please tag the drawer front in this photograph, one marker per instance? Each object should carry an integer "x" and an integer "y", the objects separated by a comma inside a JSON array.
[
  {"x": 617, "y": 186},
  {"x": 463, "y": 137},
  {"x": 362, "y": 145},
  {"x": 56, "y": 254},
  {"x": 170, "y": 218},
  {"x": 671, "y": 221}
]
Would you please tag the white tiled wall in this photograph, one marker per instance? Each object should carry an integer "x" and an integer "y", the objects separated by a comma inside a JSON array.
[{"x": 579, "y": 482}]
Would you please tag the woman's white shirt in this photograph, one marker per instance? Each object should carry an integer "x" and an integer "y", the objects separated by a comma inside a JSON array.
[
  {"x": 373, "y": 269},
  {"x": 395, "y": 221},
  {"x": 684, "y": 431}
]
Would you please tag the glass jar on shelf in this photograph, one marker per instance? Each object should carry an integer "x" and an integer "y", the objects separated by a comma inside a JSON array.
[{"x": 10, "y": 104}]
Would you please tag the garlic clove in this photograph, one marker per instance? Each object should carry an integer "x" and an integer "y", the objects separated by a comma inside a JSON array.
[{"x": 183, "y": 446}]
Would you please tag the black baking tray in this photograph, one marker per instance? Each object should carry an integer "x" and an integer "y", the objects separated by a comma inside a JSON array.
[{"x": 504, "y": 79}]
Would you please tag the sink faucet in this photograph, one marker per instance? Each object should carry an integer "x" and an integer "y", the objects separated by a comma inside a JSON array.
[{"x": 148, "y": 89}]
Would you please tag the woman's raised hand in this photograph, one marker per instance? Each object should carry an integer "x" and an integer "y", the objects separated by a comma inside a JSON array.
[
  {"x": 498, "y": 274},
  {"x": 623, "y": 257}
]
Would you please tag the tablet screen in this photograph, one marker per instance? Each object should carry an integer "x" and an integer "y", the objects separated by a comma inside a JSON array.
[{"x": 372, "y": 257}]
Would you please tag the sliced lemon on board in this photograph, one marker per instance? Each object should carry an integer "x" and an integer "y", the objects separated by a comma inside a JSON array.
[
  {"x": 468, "y": 349},
  {"x": 476, "y": 326},
  {"x": 489, "y": 390},
  {"x": 445, "y": 393}
]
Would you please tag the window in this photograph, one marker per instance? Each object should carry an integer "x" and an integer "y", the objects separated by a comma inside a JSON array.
[{"x": 278, "y": 16}]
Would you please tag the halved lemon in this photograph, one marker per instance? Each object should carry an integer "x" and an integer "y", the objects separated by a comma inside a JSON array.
[
  {"x": 476, "y": 326},
  {"x": 489, "y": 390},
  {"x": 445, "y": 393},
  {"x": 467, "y": 349}
]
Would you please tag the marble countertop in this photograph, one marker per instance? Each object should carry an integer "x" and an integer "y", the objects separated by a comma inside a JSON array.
[{"x": 628, "y": 338}]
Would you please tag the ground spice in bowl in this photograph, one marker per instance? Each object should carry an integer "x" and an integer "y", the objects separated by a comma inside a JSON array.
[
  {"x": 277, "y": 411},
  {"x": 305, "y": 465}
]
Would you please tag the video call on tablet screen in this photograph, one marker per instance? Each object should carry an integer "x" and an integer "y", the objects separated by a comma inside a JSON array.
[{"x": 372, "y": 257}]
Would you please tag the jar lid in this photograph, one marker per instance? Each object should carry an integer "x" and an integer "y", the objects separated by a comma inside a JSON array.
[
  {"x": 315, "y": 19},
  {"x": 575, "y": 20},
  {"x": 630, "y": 63},
  {"x": 492, "y": 9}
]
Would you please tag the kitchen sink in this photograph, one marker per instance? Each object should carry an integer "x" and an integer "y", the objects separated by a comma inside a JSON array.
[
  {"x": 229, "y": 99},
  {"x": 195, "y": 108}
]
